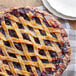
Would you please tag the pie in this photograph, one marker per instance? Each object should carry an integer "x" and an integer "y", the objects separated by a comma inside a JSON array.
[{"x": 32, "y": 43}]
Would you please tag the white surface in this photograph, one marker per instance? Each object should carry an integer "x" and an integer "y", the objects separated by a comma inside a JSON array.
[
  {"x": 66, "y": 7},
  {"x": 48, "y": 6}
]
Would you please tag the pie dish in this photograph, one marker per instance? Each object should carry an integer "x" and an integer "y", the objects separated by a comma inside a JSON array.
[
  {"x": 56, "y": 13},
  {"x": 32, "y": 43}
]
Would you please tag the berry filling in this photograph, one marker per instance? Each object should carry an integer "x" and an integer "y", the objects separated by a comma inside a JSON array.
[
  {"x": 30, "y": 28},
  {"x": 7, "y": 43},
  {"x": 49, "y": 70},
  {"x": 36, "y": 40},
  {"x": 13, "y": 33},
  {"x": 42, "y": 32},
  {"x": 12, "y": 55},
  {"x": 52, "y": 54},
  {"x": 28, "y": 68},
  {"x": 1, "y": 53},
  {"x": 25, "y": 36},
  {"x": 58, "y": 61},
  {"x": 14, "y": 12},
  {"x": 37, "y": 20},
  {"x": 9, "y": 73},
  {"x": 44, "y": 61},
  {"x": 5, "y": 62},
  {"x": 64, "y": 49},
  {"x": 24, "y": 58},
  {"x": 21, "y": 11},
  {"x": 47, "y": 42},
  {"x": 7, "y": 21},
  {"x": 30, "y": 48},
  {"x": 54, "y": 35},
  {"x": 20, "y": 26},
  {"x": 41, "y": 52},
  {"x": 2, "y": 31},
  {"x": 18, "y": 46},
  {"x": 34, "y": 58},
  {"x": 17, "y": 65},
  {"x": 38, "y": 71}
]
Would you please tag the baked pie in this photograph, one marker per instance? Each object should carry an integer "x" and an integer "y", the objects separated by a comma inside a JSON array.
[{"x": 32, "y": 43}]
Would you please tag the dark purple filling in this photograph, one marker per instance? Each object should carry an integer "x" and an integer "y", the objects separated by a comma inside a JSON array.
[
  {"x": 25, "y": 36},
  {"x": 41, "y": 52},
  {"x": 52, "y": 53},
  {"x": 17, "y": 65},
  {"x": 14, "y": 12},
  {"x": 34, "y": 58},
  {"x": 36, "y": 40},
  {"x": 37, "y": 20},
  {"x": 49, "y": 70},
  {"x": 20, "y": 26},
  {"x": 7, "y": 21},
  {"x": 2, "y": 31},
  {"x": 47, "y": 42},
  {"x": 7, "y": 43},
  {"x": 26, "y": 17},
  {"x": 54, "y": 35},
  {"x": 38, "y": 71},
  {"x": 41, "y": 73},
  {"x": 20, "y": 10},
  {"x": 1, "y": 53},
  {"x": 42, "y": 32},
  {"x": 64, "y": 49},
  {"x": 13, "y": 33},
  {"x": 30, "y": 48},
  {"x": 44, "y": 61},
  {"x": 24, "y": 58},
  {"x": 30, "y": 28},
  {"x": 5, "y": 62},
  {"x": 28, "y": 68},
  {"x": 23, "y": 14},
  {"x": 1, "y": 75},
  {"x": 58, "y": 61},
  {"x": 12, "y": 55},
  {"x": 27, "y": 10},
  {"x": 18, "y": 46},
  {"x": 57, "y": 67},
  {"x": 9, "y": 73}
]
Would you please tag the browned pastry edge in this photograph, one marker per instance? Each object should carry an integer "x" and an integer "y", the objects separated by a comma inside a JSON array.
[{"x": 66, "y": 59}]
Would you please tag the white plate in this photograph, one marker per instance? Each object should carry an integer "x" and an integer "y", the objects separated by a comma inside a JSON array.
[
  {"x": 48, "y": 6},
  {"x": 66, "y": 7}
]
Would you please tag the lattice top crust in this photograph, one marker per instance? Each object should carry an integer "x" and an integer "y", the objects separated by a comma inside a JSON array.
[{"x": 32, "y": 43}]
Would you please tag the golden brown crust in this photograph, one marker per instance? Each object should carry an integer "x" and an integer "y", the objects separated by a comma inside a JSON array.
[{"x": 56, "y": 28}]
